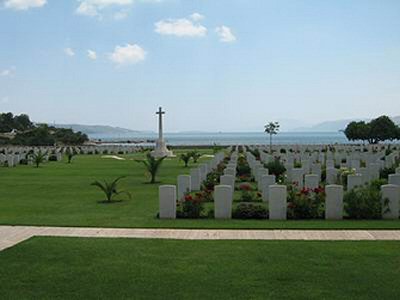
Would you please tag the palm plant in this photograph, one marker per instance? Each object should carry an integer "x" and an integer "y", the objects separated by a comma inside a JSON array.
[
  {"x": 152, "y": 165},
  {"x": 110, "y": 189},
  {"x": 195, "y": 155},
  {"x": 70, "y": 154},
  {"x": 185, "y": 157},
  {"x": 38, "y": 158},
  {"x": 271, "y": 128}
]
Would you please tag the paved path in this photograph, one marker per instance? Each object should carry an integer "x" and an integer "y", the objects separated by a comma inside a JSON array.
[{"x": 12, "y": 235}]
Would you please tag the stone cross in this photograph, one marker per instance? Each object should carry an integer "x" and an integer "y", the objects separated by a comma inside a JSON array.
[{"x": 160, "y": 113}]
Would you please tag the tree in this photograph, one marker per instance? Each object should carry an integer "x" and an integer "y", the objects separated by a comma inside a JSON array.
[
  {"x": 195, "y": 155},
  {"x": 377, "y": 130},
  {"x": 185, "y": 157},
  {"x": 152, "y": 165},
  {"x": 38, "y": 158},
  {"x": 271, "y": 128},
  {"x": 110, "y": 189}
]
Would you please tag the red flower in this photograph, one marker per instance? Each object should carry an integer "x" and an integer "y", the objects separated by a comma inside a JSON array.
[
  {"x": 245, "y": 187},
  {"x": 188, "y": 198}
]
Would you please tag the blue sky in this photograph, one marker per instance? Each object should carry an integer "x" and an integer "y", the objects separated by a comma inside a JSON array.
[{"x": 223, "y": 65}]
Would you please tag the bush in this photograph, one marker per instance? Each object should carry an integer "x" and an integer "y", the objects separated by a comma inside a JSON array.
[
  {"x": 364, "y": 202},
  {"x": 250, "y": 211},
  {"x": 276, "y": 168},
  {"x": 385, "y": 172},
  {"x": 306, "y": 203},
  {"x": 190, "y": 208},
  {"x": 52, "y": 157}
]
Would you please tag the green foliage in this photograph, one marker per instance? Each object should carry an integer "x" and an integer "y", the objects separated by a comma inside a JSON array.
[
  {"x": 185, "y": 157},
  {"x": 71, "y": 152},
  {"x": 9, "y": 122},
  {"x": 152, "y": 165},
  {"x": 276, "y": 167},
  {"x": 190, "y": 208},
  {"x": 38, "y": 157},
  {"x": 364, "y": 202},
  {"x": 249, "y": 211},
  {"x": 195, "y": 155},
  {"x": 271, "y": 128},
  {"x": 305, "y": 203},
  {"x": 385, "y": 172},
  {"x": 110, "y": 189},
  {"x": 378, "y": 130}
]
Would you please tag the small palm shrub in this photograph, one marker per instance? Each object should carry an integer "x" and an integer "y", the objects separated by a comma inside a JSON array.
[
  {"x": 71, "y": 153},
  {"x": 38, "y": 158},
  {"x": 110, "y": 189},
  {"x": 195, "y": 155},
  {"x": 185, "y": 157},
  {"x": 152, "y": 165}
]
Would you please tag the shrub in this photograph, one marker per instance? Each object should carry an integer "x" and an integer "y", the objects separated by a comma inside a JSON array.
[
  {"x": 364, "y": 202},
  {"x": 190, "y": 208},
  {"x": 306, "y": 203},
  {"x": 211, "y": 181},
  {"x": 52, "y": 157},
  {"x": 23, "y": 161},
  {"x": 250, "y": 211},
  {"x": 276, "y": 167},
  {"x": 385, "y": 172}
]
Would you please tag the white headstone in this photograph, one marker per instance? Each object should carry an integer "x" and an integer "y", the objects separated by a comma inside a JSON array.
[
  {"x": 334, "y": 202},
  {"x": 394, "y": 179},
  {"x": 266, "y": 182},
  {"x": 184, "y": 185},
  {"x": 392, "y": 193},
  {"x": 277, "y": 202},
  {"x": 354, "y": 181},
  {"x": 311, "y": 181},
  {"x": 223, "y": 201},
  {"x": 167, "y": 198},
  {"x": 195, "y": 179}
]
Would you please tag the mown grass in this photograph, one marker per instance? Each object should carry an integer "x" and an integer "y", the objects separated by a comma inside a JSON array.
[
  {"x": 80, "y": 268},
  {"x": 59, "y": 194}
]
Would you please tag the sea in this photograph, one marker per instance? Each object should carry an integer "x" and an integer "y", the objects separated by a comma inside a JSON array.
[{"x": 227, "y": 138}]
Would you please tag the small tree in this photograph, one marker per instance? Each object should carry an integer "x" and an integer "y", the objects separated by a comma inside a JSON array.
[
  {"x": 271, "y": 128},
  {"x": 195, "y": 155},
  {"x": 110, "y": 189},
  {"x": 185, "y": 157},
  {"x": 70, "y": 154},
  {"x": 152, "y": 165},
  {"x": 38, "y": 158}
]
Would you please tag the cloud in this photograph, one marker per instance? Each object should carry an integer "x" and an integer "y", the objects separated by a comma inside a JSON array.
[
  {"x": 225, "y": 34},
  {"x": 69, "y": 52},
  {"x": 92, "y": 54},
  {"x": 92, "y": 8},
  {"x": 181, "y": 27},
  {"x": 121, "y": 15},
  {"x": 24, "y": 4},
  {"x": 128, "y": 54},
  {"x": 196, "y": 17},
  {"x": 8, "y": 72}
]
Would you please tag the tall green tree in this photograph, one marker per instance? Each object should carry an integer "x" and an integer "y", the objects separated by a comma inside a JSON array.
[{"x": 272, "y": 128}]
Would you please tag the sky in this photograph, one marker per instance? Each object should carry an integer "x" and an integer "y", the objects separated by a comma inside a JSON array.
[{"x": 213, "y": 65}]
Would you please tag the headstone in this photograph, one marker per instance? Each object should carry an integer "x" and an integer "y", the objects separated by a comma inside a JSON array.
[
  {"x": 311, "y": 181},
  {"x": 167, "y": 198},
  {"x": 334, "y": 202},
  {"x": 398, "y": 170},
  {"x": 391, "y": 192},
  {"x": 228, "y": 180},
  {"x": 184, "y": 185},
  {"x": 394, "y": 179},
  {"x": 331, "y": 175},
  {"x": 298, "y": 177},
  {"x": 277, "y": 200},
  {"x": 203, "y": 171},
  {"x": 266, "y": 182},
  {"x": 195, "y": 179},
  {"x": 261, "y": 172},
  {"x": 353, "y": 181},
  {"x": 223, "y": 202}
]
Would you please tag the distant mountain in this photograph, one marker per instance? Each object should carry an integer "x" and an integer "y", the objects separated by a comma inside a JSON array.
[
  {"x": 99, "y": 129},
  {"x": 332, "y": 126}
]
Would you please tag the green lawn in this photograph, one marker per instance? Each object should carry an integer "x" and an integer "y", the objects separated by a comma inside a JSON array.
[
  {"x": 59, "y": 194},
  {"x": 72, "y": 268}
]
